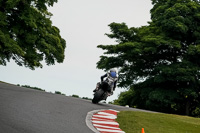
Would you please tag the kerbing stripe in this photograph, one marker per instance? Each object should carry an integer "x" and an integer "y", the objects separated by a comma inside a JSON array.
[
  {"x": 104, "y": 113},
  {"x": 96, "y": 125},
  {"x": 104, "y": 121},
  {"x": 110, "y": 117},
  {"x": 114, "y": 110}
]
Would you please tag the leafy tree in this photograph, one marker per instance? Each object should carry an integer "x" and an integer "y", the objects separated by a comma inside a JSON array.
[
  {"x": 58, "y": 92},
  {"x": 125, "y": 98},
  {"x": 160, "y": 62},
  {"x": 27, "y": 35},
  {"x": 76, "y": 96},
  {"x": 28, "y": 86}
]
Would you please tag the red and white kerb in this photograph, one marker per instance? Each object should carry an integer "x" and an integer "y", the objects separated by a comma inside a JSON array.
[{"x": 104, "y": 121}]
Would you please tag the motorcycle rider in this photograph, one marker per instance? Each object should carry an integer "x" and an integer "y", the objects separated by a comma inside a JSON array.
[{"x": 111, "y": 79}]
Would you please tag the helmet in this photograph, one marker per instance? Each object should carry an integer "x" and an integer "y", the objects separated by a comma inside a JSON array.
[
  {"x": 113, "y": 70},
  {"x": 113, "y": 73}
]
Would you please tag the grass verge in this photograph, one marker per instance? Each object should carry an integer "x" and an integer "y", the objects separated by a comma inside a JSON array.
[{"x": 134, "y": 121}]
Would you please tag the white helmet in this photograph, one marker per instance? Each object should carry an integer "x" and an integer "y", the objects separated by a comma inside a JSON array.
[
  {"x": 113, "y": 73},
  {"x": 113, "y": 70}
]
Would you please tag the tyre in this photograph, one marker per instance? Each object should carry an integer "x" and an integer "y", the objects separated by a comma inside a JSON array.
[{"x": 98, "y": 96}]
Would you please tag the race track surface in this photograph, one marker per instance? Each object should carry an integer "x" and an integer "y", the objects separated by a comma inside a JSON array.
[{"x": 24, "y": 110}]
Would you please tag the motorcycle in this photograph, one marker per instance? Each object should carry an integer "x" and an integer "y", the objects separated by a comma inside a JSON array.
[{"x": 102, "y": 93}]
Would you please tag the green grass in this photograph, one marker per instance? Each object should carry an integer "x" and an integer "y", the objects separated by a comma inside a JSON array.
[
  {"x": 5, "y": 82},
  {"x": 134, "y": 121}
]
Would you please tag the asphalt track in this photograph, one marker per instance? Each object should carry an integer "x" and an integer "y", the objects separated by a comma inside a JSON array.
[{"x": 24, "y": 110}]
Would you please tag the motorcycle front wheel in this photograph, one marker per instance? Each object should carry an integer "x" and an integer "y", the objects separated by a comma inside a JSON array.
[{"x": 98, "y": 96}]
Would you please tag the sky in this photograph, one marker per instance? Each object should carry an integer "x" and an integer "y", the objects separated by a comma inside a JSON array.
[{"x": 83, "y": 24}]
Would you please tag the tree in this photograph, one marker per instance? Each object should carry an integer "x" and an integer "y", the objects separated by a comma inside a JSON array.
[
  {"x": 125, "y": 98},
  {"x": 58, "y": 92},
  {"x": 35, "y": 88},
  {"x": 27, "y": 35},
  {"x": 75, "y": 96},
  {"x": 160, "y": 62}
]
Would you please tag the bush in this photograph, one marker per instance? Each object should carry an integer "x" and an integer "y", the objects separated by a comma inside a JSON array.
[
  {"x": 86, "y": 98},
  {"x": 35, "y": 88},
  {"x": 196, "y": 112},
  {"x": 75, "y": 96}
]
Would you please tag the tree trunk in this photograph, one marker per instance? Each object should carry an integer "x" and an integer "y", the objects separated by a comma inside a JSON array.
[{"x": 187, "y": 108}]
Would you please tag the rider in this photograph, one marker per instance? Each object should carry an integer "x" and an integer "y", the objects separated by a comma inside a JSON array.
[{"x": 111, "y": 79}]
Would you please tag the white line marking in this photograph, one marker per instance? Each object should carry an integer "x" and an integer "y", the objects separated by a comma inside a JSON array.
[
  {"x": 106, "y": 122},
  {"x": 114, "y": 110},
  {"x": 104, "y": 113},
  {"x": 109, "y": 117},
  {"x": 97, "y": 119},
  {"x": 96, "y": 125}
]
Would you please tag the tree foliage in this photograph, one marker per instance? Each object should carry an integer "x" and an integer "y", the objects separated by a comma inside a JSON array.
[
  {"x": 28, "y": 86},
  {"x": 160, "y": 62},
  {"x": 27, "y": 34}
]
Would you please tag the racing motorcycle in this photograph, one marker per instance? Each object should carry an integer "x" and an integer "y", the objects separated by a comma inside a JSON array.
[{"x": 104, "y": 90}]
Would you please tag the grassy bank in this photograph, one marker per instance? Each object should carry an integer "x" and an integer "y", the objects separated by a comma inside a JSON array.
[{"x": 133, "y": 122}]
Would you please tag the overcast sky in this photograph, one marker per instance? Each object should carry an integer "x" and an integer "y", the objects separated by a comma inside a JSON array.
[{"x": 83, "y": 24}]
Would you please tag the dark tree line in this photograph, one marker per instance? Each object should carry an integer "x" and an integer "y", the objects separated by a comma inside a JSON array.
[{"x": 159, "y": 63}]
